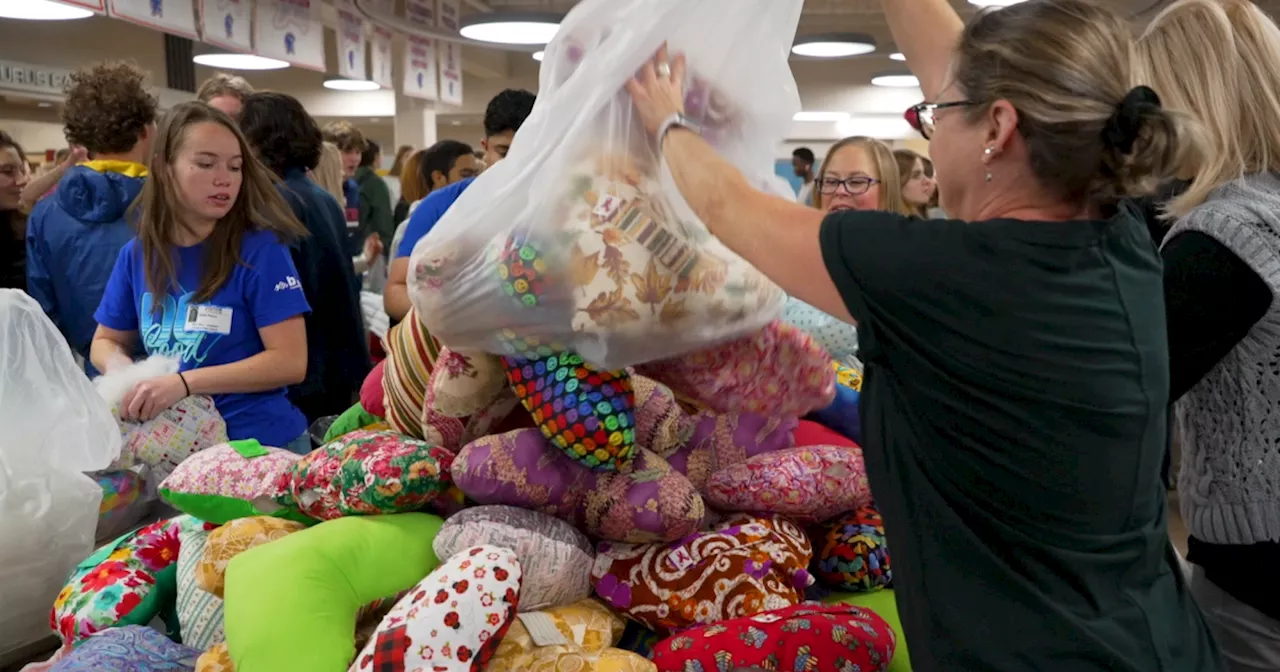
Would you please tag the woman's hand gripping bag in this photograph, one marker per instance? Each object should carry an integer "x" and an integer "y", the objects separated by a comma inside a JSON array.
[
  {"x": 452, "y": 620},
  {"x": 127, "y": 582},
  {"x": 234, "y": 480},
  {"x": 740, "y": 567},
  {"x": 582, "y": 637},
  {"x": 292, "y": 604},
  {"x": 56, "y": 430},
  {"x": 578, "y": 242}
]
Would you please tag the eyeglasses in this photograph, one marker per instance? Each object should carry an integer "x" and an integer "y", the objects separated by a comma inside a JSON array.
[
  {"x": 856, "y": 186},
  {"x": 921, "y": 116}
]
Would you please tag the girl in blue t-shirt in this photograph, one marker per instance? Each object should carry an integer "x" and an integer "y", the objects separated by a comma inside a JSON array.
[{"x": 209, "y": 282}]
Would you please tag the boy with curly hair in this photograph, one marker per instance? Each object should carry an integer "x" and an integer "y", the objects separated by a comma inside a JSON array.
[{"x": 74, "y": 236}]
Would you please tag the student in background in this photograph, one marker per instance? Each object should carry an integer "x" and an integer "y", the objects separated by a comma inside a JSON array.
[
  {"x": 413, "y": 188},
  {"x": 44, "y": 184},
  {"x": 13, "y": 178},
  {"x": 375, "y": 200},
  {"x": 74, "y": 237},
  {"x": 802, "y": 160},
  {"x": 328, "y": 175},
  {"x": 209, "y": 281},
  {"x": 350, "y": 143},
  {"x": 918, "y": 187},
  {"x": 225, "y": 92},
  {"x": 440, "y": 165},
  {"x": 392, "y": 178},
  {"x": 502, "y": 118},
  {"x": 289, "y": 143}
]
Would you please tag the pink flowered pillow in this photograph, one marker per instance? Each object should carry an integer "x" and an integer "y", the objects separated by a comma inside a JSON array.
[
  {"x": 230, "y": 481},
  {"x": 808, "y": 484},
  {"x": 452, "y": 620},
  {"x": 779, "y": 371}
]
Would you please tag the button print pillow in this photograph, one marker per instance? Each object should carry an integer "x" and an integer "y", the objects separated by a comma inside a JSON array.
[
  {"x": 452, "y": 620},
  {"x": 808, "y": 484},
  {"x": 854, "y": 556},
  {"x": 742, "y": 566}
]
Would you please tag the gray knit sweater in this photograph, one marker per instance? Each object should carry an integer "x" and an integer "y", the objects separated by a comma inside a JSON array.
[{"x": 1229, "y": 485}]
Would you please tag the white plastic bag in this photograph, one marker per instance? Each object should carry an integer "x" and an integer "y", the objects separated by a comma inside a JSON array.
[
  {"x": 53, "y": 427},
  {"x": 579, "y": 240}
]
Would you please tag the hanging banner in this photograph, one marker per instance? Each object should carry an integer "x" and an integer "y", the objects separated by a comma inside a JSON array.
[
  {"x": 420, "y": 68},
  {"x": 351, "y": 42},
  {"x": 449, "y": 13},
  {"x": 285, "y": 30},
  {"x": 380, "y": 58},
  {"x": 227, "y": 24},
  {"x": 95, "y": 6},
  {"x": 171, "y": 16},
  {"x": 420, "y": 13}
]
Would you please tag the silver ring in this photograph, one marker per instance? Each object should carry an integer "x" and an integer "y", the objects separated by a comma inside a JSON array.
[{"x": 664, "y": 69}]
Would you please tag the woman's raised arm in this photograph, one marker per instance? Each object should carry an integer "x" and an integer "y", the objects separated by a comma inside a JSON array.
[{"x": 926, "y": 32}]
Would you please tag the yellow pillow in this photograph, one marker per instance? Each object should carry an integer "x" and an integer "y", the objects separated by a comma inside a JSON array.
[
  {"x": 231, "y": 540},
  {"x": 588, "y": 630}
]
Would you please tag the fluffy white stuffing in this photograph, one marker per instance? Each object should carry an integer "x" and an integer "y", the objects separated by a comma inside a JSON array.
[{"x": 113, "y": 386}]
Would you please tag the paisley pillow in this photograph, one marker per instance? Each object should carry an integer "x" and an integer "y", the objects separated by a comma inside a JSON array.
[
  {"x": 839, "y": 638},
  {"x": 365, "y": 473},
  {"x": 659, "y": 417},
  {"x": 132, "y": 648},
  {"x": 554, "y": 557},
  {"x": 234, "y": 480},
  {"x": 652, "y": 502},
  {"x": 199, "y": 611},
  {"x": 579, "y": 638},
  {"x": 712, "y": 441},
  {"x": 854, "y": 557},
  {"x": 742, "y": 566},
  {"x": 127, "y": 582},
  {"x": 452, "y": 620},
  {"x": 809, "y": 484},
  {"x": 232, "y": 539},
  {"x": 778, "y": 371}
]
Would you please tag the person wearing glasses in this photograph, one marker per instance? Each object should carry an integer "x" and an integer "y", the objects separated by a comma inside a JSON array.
[{"x": 1017, "y": 373}]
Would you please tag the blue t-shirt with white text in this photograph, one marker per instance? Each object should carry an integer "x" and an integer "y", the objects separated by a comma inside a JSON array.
[
  {"x": 428, "y": 212},
  {"x": 262, "y": 291}
]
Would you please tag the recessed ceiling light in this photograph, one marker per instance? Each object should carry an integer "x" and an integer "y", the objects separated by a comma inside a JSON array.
[
  {"x": 834, "y": 45},
  {"x": 239, "y": 62},
  {"x": 821, "y": 116},
  {"x": 455, "y": 122},
  {"x": 41, "y": 10},
  {"x": 896, "y": 80},
  {"x": 511, "y": 27},
  {"x": 898, "y": 56},
  {"x": 537, "y": 55},
  {"x": 994, "y": 3},
  {"x": 351, "y": 85}
]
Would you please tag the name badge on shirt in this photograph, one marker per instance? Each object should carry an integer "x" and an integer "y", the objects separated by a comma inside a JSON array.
[{"x": 209, "y": 319}]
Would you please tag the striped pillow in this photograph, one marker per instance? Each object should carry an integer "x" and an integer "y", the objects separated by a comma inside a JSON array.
[
  {"x": 412, "y": 354},
  {"x": 199, "y": 612}
]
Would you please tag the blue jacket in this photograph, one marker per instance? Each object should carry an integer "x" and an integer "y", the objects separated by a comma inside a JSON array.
[{"x": 73, "y": 240}]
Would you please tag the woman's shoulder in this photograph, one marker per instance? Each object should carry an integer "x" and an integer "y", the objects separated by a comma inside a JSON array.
[
  {"x": 1250, "y": 203},
  {"x": 258, "y": 241}
]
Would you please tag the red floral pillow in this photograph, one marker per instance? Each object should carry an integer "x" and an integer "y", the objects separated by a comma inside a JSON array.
[{"x": 832, "y": 638}]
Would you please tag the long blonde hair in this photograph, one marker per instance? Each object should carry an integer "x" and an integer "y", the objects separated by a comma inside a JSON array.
[
  {"x": 328, "y": 173},
  {"x": 886, "y": 172},
  {"x": 1219, "y": 61},
  {"x": 906, "y": 160},
  {"x": 258, "y": 207}
]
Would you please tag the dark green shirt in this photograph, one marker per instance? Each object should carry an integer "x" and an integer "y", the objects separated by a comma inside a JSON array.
[
  {"x": 376, "y": 213},
  {"x": 1013, "y": 416}
]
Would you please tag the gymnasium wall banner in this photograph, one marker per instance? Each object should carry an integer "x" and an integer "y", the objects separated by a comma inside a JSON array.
[
  {"x": 449, "y": 14},
  {"x": 351, "y": 41},
  {"x": 420, "y": 68},
  {"x": 288, "y": 30},
  {"x": 177, "y": 17},
  {"x": 227, "y": 24}
]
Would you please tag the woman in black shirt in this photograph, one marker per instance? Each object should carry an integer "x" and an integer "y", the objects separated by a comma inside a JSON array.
[{"x": 1016, "y": 361}]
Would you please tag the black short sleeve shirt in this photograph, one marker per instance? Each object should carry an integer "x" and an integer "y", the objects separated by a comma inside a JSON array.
[{"x": 1013, "y": 416}]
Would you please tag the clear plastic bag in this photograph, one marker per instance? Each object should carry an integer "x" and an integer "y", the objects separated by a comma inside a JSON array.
[
  {"x": 56, "y": 427},
  {"x": 579, "y": 240}
]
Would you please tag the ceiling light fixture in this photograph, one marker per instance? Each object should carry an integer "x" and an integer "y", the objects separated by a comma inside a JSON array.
[
  {"x": 834, "y": 45},
  {"x": 896, "y": 80},
  {"x": 41, "y": 10},
  {"x": 537, "y": 55},
  {"x": 239, "y": 62},
  {"x": 351, "y": 85},
  {"x": 898, "y": 56},
  {"x": 511, "y": 27},
  {"x": 820, "y": 116}
]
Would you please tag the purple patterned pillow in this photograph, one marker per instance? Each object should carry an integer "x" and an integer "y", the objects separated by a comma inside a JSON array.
[
  {"x": 650, "y": 503},
  {"x": 718, "y": 440},
  {"x": 133, "y": 648}
]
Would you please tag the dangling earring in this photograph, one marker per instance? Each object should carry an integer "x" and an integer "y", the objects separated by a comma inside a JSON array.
[{"x": 986, "y": 158}]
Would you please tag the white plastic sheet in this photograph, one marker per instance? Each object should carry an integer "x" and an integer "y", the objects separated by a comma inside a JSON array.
[
  {"x": 53, "y": 428},
  {"x": 579, "y": 240}
]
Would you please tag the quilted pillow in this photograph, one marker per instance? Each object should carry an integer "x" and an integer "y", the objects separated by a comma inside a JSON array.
[
  {"x": 199, "y": 611},
  {"x": 854, "y": 556},
  {"x": 659, "y": 417},
  {"x": 586, "y": 412},
  {"x": 293, "y": 604},
  {"x": 809, "y": 484},
  {"x": 555, "y": 559},
  {"x": 778, "y": 371},
  {"x": 162, "y": 443},
  {"x": 127, "y": 582},
  {"x": 650, "y": 503},
  {"x": 711, "y": 441},
  {"x": 123, "y": 502},
  {"x": 372, "y": 396},
  {"x": 742, "y": 566},
  {"x": 452, "y": 620},
  {"x": 232, "y": 539},
  {"x": 233, "y": 480},
  {"x": 839, "y": 638},
  {"x": 365, "y": 473},
  {"x": 885, "y": 605},
  {"x": 132, "y": 648},
  {"x": 578, "y": 638}
]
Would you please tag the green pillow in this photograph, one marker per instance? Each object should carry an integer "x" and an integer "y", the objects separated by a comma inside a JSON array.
[
  {"x": 292, "y": 604},
  {"x": 229, "y": 481},
  {"x": 354, "y": 418},
  {"x": 885, "y": 604}
]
